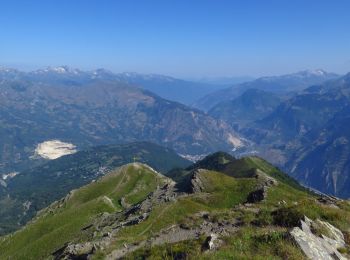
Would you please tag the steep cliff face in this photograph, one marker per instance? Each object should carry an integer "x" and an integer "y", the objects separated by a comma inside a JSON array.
[
  {"x": 325, "y": 163},
  {"x": 321, "y": 156}
]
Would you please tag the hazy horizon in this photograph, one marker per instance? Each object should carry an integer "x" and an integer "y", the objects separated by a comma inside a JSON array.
[
  {"x": 203, "y": 78},
  {"x": 185, "y": 39}
]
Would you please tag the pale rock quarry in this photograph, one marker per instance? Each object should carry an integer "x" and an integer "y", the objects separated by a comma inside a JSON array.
[{"x": 54, "y": 149}]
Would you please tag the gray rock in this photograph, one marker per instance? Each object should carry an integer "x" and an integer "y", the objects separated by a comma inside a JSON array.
[
  {"x": 124, "y": 204},
  {"x": 329, "y": 201},
  {"x": 264, "y": 179},
  {"x": 260, "y": 193},
  {"x": 196, "y": 183},
  {"x": 212, "y": 242},
  {"x": 75, "y": 251},
  {"x": 316, "y": 247}
]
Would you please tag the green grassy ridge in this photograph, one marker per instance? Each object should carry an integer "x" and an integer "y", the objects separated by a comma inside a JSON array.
[
  {"x": 244, "y": 167},
  {"x": 41, "y": 185},
  {"x": 54, "y": 227},
  {"x": 41, "y": 238},
  {"x": 215, "y": 161},
  {"x": 261, "y": 235},
  {"x": 259, "y": 238},
  {"x": 224, "y": 190},
  {"x": 238, "y": 168},
  {"x": 221, "y": 192},
  {"x": 274, "y": 172}
]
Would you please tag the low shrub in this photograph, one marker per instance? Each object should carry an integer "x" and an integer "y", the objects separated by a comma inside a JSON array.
[{"x": 287, "y": 216}]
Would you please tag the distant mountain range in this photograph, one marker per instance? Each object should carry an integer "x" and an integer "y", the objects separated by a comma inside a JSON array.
[
  {"x": 182, "y": 91},
  {"x": 323, "y": 157},
  {"x": 252, "y": 105},
  {"x": 92, "y": 166},
  {"x": 324, "y": 162},
  {"x": 282, "y": 85},
  {"x": 88, "y": 109},
  {"x": 307, "y": 134},
  {"x": 289, "y": 120},
  {"x": 229, "y": 81}
]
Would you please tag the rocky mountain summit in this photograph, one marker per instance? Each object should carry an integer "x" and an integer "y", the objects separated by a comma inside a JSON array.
[{"x": 213, "y": 209}]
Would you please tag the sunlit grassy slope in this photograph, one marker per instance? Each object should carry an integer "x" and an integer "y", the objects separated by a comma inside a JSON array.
[
  {"x": 44, "y": 184},
  {"x": 62, "y": 221},
  {"x": 262, "y": 232}
]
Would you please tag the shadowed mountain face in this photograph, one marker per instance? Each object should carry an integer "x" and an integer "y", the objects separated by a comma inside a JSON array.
[
  {"x": 251, "y": 106},
  {"x": 306, "y": 134},
  {"x": 281, "y": 85},
  {"x": 324, "y": 164},
  {"x": 309, "y": 134},
  {"x": 87, "y": 112},
  {"x": 310, "y": 109},
  {"x": 306, "y": 113}
]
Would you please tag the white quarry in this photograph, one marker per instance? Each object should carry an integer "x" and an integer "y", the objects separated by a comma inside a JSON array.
[{"x": 53, "y": 149}]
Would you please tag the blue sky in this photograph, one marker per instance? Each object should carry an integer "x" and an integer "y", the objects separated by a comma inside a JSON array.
[{"x": 184, "y": 38}]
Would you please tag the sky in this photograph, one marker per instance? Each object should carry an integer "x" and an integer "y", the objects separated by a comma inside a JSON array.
[{"x": 183, "y": 38}]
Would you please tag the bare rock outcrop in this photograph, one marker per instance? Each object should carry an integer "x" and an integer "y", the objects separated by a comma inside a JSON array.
[
  {"x": 196, "y": 182},
  {"x": 75, "y": 251},
  {"x": 264, "y": 182},
  {"x": 319, "y": 240},
  {"x": 212, "y": 242},
  {"x": 108, "y": 225},
  {"x": 177, "y": 233},
  {"x": 329, "y": 201}
]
